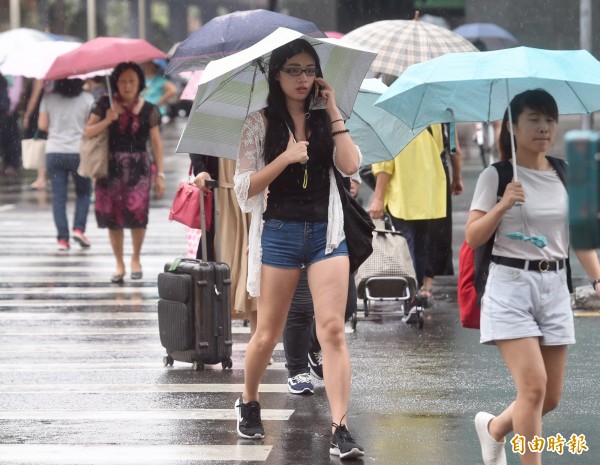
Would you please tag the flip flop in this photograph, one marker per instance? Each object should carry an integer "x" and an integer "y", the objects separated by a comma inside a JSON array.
[
  {"x": 117, "y": 278},
  {"x": 136, "y": 274}
]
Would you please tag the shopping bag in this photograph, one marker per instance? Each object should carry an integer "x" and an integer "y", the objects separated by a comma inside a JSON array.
[
  {"x": 93, "y": 156},
  {"x": 33, "y": 153}
]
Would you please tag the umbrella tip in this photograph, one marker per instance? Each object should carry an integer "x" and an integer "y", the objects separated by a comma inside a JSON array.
[{"x": 417, "y": 15}]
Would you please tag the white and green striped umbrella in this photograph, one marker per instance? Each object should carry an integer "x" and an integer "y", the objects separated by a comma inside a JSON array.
[{"x": 235, "y": 86}]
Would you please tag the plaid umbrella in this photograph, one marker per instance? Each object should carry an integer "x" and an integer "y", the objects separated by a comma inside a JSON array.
[
  {"x": 402, "y": 43},
  {"x": 232, "y": 87}
]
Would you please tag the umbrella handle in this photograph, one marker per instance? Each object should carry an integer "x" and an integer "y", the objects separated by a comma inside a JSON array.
[{"x": 109, "y": 89}]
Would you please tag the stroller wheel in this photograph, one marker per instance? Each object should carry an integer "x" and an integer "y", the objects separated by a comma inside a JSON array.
[{"x": 354, "y": 320}]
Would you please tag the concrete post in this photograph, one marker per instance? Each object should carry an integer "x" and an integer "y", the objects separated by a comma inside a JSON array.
[
  {"x": 91, "y": 19},
  {"x": 15, "y": 14}
]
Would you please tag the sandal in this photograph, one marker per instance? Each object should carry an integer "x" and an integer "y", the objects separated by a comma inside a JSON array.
[
  {"x": 117, "y": 278},
  {"x": 426, "y": 295}
]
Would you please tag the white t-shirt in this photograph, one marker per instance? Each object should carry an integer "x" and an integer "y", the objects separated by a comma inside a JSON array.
[
  {"x": 67, "y": 116},
  {"x": 544, "y": 212}
]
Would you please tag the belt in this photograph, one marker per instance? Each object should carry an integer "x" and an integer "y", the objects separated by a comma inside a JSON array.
[{"x": 530, "y": 265}]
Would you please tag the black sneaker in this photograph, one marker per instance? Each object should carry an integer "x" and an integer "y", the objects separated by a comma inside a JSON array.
[
  {"x": 249, "y": 424},
  {"x": 344, "y": 445},
  {"x": 315, "y": 362}
]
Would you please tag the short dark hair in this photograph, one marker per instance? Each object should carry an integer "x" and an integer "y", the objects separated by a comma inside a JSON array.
[
  {"x": 121, "y": 68},
  {"x": 536, "y": 99},
  {"x": 68, "y": 87}
]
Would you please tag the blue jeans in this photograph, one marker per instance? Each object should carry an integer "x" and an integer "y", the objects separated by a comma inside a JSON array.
[{"x": 59, "y": 165}]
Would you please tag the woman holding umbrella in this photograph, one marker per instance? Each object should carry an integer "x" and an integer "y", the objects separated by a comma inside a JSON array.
[
  {"x": 123, "y": 197},
  {"x": 526, "y": 308},
  {"x": 291, "y": 150}
]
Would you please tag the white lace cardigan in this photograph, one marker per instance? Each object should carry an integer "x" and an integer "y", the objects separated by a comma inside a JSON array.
[{"x": 250, "y": 160}]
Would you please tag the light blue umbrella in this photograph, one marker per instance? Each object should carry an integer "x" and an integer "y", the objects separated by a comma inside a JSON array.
[
  {"x": 477, "y": 86},
  {"x": 471, "y": 87},
  {"x": 379, "y": 135}
]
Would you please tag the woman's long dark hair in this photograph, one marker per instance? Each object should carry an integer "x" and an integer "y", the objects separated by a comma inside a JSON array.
[
  {"x": 536, "y": 99},
  {"x": 68, "y": 87},
  {"x": 277, "y": 113}
]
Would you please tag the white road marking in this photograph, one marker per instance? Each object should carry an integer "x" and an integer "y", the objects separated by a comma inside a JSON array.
[{"x": 132, "y": 388}]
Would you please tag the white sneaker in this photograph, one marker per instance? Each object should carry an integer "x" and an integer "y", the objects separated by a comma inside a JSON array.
[{"x": 492, "y": 451}]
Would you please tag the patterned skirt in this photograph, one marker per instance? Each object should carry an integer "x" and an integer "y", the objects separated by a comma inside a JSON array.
[{"x": 123, "y": 197}]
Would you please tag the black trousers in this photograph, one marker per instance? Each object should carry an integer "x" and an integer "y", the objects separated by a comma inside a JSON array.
[{"x": 300, "y": 333}]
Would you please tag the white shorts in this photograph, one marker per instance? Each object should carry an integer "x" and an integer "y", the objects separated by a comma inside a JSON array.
[{"x": 519, "y": 303}]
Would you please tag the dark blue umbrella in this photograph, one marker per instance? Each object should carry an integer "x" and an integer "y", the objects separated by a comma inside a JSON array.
[
  {"x": 487, "y": 36},
  {"x": 230, "y": 33}
]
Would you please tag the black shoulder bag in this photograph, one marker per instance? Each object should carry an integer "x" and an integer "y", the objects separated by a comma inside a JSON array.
[{"x": 358, "y": 226}]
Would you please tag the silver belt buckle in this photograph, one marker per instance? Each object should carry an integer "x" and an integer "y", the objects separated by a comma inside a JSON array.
[{"x": 544, "y": 266}]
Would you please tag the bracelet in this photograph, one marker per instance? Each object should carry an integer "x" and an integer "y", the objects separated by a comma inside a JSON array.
[
  {"x": 335, "y": 133},
  {"x": 335, "y": 121},
  {"x": 161, "y": 175},
  {"x": 596, "y": 281}
]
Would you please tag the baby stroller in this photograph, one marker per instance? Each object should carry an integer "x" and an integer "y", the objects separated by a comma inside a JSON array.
[{"x": 389, "y": 275}]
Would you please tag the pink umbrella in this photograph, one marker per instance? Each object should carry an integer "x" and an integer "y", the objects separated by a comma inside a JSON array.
[
  {"x": 102, "y": 53},
  {"x": 189, "y": 92},
  {"x": 334, "y": 34}
]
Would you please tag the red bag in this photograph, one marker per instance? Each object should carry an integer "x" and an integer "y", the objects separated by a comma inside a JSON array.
[
  {"x": 186, "y": 206},
  {"x": 468, "y": 303}
]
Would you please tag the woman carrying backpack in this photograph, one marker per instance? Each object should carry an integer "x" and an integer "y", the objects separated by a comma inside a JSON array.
[{"x": 526, "y": 308}]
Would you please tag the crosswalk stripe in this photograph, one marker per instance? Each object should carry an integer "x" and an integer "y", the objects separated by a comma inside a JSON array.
[
  {"x": 44, "y": 454},
  {"x": 78, "y": 316},
  {"x": 140, "y": 415},
  {"x": 132, "y": 388},
  {"x": 59, "y": 331},
  {"x": 81, "y": 277},
  {"x": 42, "y": 303},
  {"x": 54, "y": 291},
  {"x": 106, "y": 347},
  {"x": 113, "y": 366}
]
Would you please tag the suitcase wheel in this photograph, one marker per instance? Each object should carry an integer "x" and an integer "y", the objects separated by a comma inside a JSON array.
[
  {"x": 197, "y": 366},
  {"x": 353, "y": 321},
  {"x": 227, "y": 364},
  {"x": 168, "y": 361}
]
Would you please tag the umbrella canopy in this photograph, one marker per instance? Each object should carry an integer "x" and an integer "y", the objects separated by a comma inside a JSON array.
[
  {"x": 402, "y": 43},
  {"x": 10, "y": 40},
  {"x": 462, "y": 87},
  {"x": 191, "y": 88},
  {"x": 487, "y": 36},
  {"x": 379, "y": 135},
  {"x": 234, "y": 86},
  {"x": 33, "y": 60},
  {"x": 102, "y": 53},
  {"x": 230, "y": 33}
]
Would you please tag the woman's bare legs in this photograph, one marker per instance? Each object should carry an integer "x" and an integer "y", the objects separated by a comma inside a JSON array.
[
  {"x": 538, "y": 373},
  {"x": 116, "y": 241},
  {"x": 276, "y": 291},
  {"x": 137, "y": 239},
  {"x": 328, "y": 283}
]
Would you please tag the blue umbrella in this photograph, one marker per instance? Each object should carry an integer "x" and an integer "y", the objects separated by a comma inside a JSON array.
[
  {"x": 231, "y": 33},
  {"x": 487, "y": 36},
  {"x": 379, "y": 135},
  {"x": 471, "y": 87}
]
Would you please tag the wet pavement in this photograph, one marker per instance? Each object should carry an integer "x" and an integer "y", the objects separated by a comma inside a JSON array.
[{"x": 82, "y": 380}]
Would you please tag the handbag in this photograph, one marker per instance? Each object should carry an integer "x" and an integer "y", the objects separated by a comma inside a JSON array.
[
  {"x": 358, "y": 226},
  {"x": 185, "y": 208},
  {"x": 33, "y": 152},
  {"x": 93, "y": 156}
]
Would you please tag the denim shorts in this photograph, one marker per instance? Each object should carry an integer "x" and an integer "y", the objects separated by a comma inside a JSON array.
[
  {"x": 519, "y": 303},
  {"x": 296, "y": 244}
]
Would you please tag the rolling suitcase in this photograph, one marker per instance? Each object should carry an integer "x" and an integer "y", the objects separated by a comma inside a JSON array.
[{"x": 194, "y": 308}]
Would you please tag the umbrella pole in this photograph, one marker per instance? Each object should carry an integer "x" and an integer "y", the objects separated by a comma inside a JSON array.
[
  {"x": 109, "y": 89},
  {"x": 512, "y": 137}
]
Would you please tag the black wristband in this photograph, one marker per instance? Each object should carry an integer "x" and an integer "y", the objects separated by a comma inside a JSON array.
[
  {"x": 335, "y": 133},
  {"x": 596, "y": 281}
]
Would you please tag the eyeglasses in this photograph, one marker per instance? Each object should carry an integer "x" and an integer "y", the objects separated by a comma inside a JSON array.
[{"x": 298, "y": 71}]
